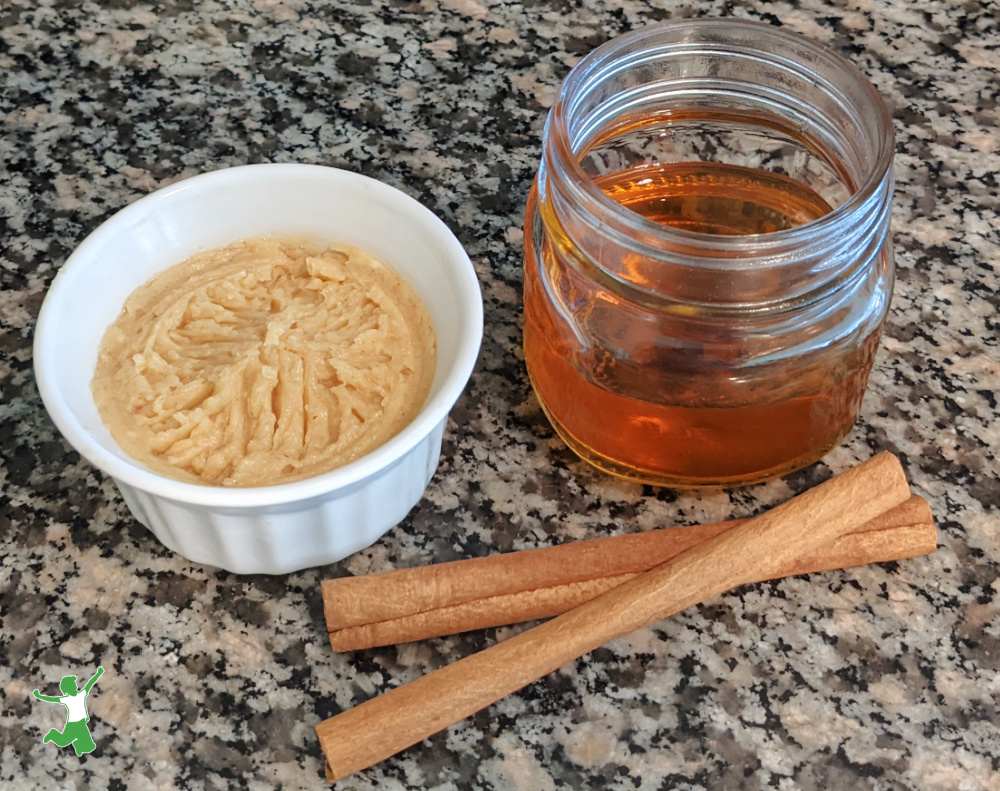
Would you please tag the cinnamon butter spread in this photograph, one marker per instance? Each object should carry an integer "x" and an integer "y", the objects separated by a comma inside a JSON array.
[{"x": 264, "y": 362}]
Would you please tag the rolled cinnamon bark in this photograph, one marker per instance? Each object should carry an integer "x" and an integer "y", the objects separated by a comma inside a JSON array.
[
  {"x": 382, "y": 726},
  {"x": 448, "y": 598}
]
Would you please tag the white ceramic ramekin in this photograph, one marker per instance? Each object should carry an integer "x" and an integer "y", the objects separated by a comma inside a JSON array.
[{"x": 268, "y": 529}]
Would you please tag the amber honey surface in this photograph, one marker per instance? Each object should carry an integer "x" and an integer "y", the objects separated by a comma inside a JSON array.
[{"x": 684, "y": 414}]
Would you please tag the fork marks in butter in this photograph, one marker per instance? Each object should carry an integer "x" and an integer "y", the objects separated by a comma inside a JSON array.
[{"x": 264, "y": 362}]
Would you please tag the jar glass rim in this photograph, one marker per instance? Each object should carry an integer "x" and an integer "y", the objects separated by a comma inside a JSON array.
[{"x": 584, "y": 189}]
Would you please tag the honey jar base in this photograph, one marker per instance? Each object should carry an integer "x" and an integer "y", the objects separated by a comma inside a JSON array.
[{"x": 675, "y": 481}]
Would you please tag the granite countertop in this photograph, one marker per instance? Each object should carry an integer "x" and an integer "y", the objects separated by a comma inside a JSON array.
[{"x": 884, "y": 677}]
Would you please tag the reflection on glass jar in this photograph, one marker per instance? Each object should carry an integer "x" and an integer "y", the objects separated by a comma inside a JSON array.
[{"x": 707, "y": 259}]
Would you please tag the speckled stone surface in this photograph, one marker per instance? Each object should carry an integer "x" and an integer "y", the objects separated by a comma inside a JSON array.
[{"x": 881, "y": 678}]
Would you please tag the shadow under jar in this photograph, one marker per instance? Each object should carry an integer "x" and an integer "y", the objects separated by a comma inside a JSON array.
[{"x": 707, "y": 258}]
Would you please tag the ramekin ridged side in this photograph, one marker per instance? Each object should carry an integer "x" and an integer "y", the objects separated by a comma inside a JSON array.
[{"x": 283, "y": 538}]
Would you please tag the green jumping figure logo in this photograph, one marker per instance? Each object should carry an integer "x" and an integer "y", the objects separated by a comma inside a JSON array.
[{"x": 76, "y": 731}]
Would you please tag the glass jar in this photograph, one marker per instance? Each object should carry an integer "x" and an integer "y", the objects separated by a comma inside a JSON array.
[{"x": 707, "y": 258}]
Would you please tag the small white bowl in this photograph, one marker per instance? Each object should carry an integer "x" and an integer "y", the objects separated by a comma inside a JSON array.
[{"x": 268, "y": 529}]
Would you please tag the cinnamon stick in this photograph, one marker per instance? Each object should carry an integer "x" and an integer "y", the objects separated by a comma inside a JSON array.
[
  {"x": 382, "y": 726},
  {"x": 448, "y": 598}
]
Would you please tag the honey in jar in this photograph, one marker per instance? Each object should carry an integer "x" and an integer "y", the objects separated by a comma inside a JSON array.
[{"x": 707, "y": 261}]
